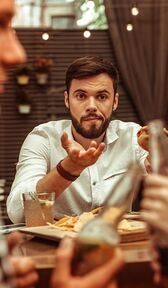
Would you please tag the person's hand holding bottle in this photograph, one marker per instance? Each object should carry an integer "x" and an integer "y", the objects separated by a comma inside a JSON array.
[
  {"x": 155, "y": 202},
  {"x": 154, "y": 210},
  {"x": 101, "y": 277},
  {"x": 23, "y": 268}
]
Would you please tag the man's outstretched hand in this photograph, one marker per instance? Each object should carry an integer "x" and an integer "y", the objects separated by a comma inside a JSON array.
[{"x": 78, "y": 154}]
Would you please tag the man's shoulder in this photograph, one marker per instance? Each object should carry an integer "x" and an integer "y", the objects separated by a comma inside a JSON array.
[
  {"x": 59, "y": 126},
  {"x": 118, "y": 125}
]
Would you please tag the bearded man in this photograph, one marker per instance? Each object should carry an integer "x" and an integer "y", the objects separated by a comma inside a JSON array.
[{"x": 80, "y": 159}]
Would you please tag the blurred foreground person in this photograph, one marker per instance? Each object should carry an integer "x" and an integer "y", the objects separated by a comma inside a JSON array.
[
  {"x": 101, "y": 277},
  {"x": 12, "y": 53},
  {"x": 155, "y": 212},
  {"x": 11, "y": 50}
]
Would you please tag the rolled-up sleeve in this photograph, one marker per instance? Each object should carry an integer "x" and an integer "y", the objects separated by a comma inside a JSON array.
[{"x": 32, "y": 166}]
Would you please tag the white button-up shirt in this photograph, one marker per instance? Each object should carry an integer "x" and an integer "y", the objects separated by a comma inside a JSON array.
[{"x": 42, "y": 150}]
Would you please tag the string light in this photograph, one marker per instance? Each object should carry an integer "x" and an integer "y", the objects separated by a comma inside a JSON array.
[
  {"x": 45, "y": 36},
  {"x": 129, "y": 27},
  {"x": 134, "y": 10},
  {"x": 87, "y": 34}
]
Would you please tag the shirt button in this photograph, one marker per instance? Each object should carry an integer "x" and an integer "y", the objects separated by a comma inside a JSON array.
[{"x": 94, "y": 183}]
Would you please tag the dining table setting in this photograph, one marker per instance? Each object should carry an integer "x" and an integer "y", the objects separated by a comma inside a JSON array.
[{"x": 40, "y": 243}]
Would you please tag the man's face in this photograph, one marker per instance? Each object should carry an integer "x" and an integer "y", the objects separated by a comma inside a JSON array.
[
  {"x": 11, "y": 50},
  {"x": 91, "y": 102}
]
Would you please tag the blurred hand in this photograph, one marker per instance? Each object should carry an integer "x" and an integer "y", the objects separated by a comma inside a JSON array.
[
  {"x": 24, "y": 272},
  {"x": 25, "y": 275},
  {"x": 155, "y": 264},
  {"x": 13, "y": 239},
  {"x": 155, "y": 202},
  {"x": 155, "y": 212},
  {"x": 101, "y": 277}
]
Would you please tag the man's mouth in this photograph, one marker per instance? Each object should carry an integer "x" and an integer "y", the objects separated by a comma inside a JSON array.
[{"x": 92, "y": 118}]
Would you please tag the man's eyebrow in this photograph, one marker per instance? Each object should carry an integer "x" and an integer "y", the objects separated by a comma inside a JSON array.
[
  {"x": 103, "y": 91},
  {"x": 80, "y": 90},
  {"x": 98, "y": 92}
]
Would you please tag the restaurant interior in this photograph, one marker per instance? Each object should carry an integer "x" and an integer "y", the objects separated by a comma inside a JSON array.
[{"x": 132, "y": 34}]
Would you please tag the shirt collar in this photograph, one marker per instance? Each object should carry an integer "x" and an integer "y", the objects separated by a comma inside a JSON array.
[{"x": 111, "y": 135}]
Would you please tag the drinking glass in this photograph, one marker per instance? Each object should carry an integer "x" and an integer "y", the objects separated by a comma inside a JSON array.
[{"x": 38, "y": 208}]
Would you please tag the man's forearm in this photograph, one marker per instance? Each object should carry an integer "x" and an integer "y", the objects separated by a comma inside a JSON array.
[{"x": 56, "y": 182}]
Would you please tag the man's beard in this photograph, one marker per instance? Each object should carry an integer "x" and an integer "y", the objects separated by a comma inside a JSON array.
[{"x": 93, "y": 132}]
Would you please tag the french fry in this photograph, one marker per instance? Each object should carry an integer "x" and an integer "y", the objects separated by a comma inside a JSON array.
[
  {"x": 96, "y": 210},
  {"x": 75, "y": 223}
]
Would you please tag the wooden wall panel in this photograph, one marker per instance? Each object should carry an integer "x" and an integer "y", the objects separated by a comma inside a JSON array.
[{"x": 63, "y": 47}]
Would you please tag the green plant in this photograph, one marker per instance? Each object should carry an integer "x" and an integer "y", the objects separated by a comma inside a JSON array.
[
  {"x": 98, "y": 20},
  {"x": 23, "y": 70}
]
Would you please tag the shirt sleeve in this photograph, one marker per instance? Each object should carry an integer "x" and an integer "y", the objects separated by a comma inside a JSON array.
[{"x": 32, "y": 166}]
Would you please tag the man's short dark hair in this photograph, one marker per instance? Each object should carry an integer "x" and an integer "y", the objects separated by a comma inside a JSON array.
[{"x": 90, "y": 66}]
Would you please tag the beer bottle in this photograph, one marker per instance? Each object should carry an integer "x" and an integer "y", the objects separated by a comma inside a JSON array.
[
  {"x": 96, "y": 241},
  {"x": 158, "y": 151}
]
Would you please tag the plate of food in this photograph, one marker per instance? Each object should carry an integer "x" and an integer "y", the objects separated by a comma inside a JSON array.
[{"x": 128, "y": 229}]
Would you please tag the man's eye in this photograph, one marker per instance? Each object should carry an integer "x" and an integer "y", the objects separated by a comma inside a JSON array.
[
  {"x": 80, "y": 96},
  {"x": 102, "y": 97}
]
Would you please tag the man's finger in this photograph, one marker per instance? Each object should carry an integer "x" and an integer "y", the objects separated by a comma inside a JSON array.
[
  {"x": 99, "y": 150},
  {"x": 64, "y": 141}
]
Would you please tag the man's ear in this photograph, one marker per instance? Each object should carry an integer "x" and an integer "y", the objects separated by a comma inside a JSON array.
[
  {"x": 66, "y": 99},
  {"x": 115, "y": 104}
]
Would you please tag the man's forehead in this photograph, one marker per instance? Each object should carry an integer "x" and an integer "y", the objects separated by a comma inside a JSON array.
[
  {"x": 7, "y": 8},
  {"x": 101, "y": 80}
]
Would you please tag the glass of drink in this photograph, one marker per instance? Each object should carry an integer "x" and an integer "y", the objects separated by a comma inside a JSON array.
[{"x": 38, "y": 208}]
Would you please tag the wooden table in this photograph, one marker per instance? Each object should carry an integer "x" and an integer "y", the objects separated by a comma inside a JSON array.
[{"x": 135, "y": 274}]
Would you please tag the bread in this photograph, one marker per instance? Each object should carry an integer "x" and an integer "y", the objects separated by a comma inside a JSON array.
[{"x": 143, "y": 137}]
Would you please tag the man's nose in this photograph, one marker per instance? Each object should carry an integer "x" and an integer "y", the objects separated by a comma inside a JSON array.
[
  {"x": 13, "y": 52},
  {"x": 91, "y": 104}
]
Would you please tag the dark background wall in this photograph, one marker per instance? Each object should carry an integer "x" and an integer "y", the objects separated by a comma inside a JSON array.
[{"x": 47, "y": 102}]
